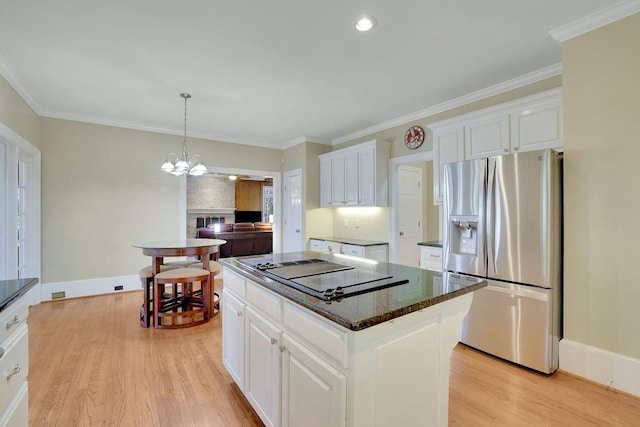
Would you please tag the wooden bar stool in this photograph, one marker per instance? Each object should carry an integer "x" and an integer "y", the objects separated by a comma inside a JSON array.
[
  {"x": 183, "y": 307},
  {"x": 146, "y": 281},
  {"x": 215, "y": 268}
]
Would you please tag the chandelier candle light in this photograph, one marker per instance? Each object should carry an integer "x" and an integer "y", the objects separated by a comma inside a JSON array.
[{"x": 182, "y": 166}]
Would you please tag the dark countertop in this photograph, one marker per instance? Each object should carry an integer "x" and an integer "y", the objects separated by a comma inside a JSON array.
[
  {"x": 349, "y": 241},
  {"x": 434, "y": 243},
  {"x": 425, "y": 288},
  {"x": 14, "y": 288}
]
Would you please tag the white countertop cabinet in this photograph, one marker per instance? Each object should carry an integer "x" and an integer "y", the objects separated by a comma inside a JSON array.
[
  {"x": 14, "y": 363},
  {"x": 527, "y": 124},
  {"x": 303, "y": 369}
]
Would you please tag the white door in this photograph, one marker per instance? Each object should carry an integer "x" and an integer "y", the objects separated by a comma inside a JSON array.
[
  {"x": 314, "y": 394},
  {"x": 409, "y": 215},
  {"x": 263, "y": 367},
  {"x": 233, "y": 337},
  {"x": 292, "y": 233}
]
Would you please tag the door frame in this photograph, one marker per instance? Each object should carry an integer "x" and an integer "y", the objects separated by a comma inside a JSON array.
[
  {"x": 277, "y": 213},
  {"x": 14, "y": 144},
  {"x": 303, "y": 204},
  {"x": 394, "y": 164}
]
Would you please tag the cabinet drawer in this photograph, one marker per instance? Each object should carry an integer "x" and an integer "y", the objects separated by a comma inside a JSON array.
[
  {"x": 17, "y": 414},
  {"x": 14, "y": 316},
  {"x": 234, "y": 283},
  {"x": 14, "y": 364},
  {"x": 316, "y": 333},
  {"x": 317, "y": 245},
  {"x": 354, "y": 250},
  {"x": 431, "y": 258},
  {"x": 265, "y": 301}
]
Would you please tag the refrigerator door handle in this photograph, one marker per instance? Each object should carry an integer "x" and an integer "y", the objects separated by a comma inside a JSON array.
[{"x": 491, "y": 218}]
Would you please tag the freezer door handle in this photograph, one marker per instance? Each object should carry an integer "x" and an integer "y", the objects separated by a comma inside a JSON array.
[{"x": 525, "y": 293}]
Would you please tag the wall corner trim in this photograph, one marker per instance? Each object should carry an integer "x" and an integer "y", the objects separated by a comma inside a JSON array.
[
  {"x": 596, "y": 20},
  {"x": 602, "y": 366}
]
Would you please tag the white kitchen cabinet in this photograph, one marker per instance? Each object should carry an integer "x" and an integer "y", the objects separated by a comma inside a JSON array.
[
  {"x": 527, "y": 124},
  {"x": 431, "y": 258},
  {"x": 14, "y": 363},
  {"x": 338, "y": 195},
  {"x": 486, "y": 136},
  {"x": 262, "y": 386},
  {"x": 325, "y": 183},
  {"x": 537, "y": 126},
  {"x": 448, "y": 146},
  {"x": 358, "y": 175},
  {"x": 313, "y": 392},
  {"x": 374, "y": 252},
  {"x": 366, "y": 176},
  {"x": 233, "y": 335}
]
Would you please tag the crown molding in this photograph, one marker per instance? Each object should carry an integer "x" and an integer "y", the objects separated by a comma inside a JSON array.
[
  {"x": 9, "y": 76},
  {"x": 518, "y": 82},
  {"x": 302, "y": 140},
  {"x": 146, "y": 128},
  {"x": 595, "y": 20}
]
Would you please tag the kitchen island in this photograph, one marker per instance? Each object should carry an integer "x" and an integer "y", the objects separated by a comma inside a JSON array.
[{"x": 377, "y": 357}]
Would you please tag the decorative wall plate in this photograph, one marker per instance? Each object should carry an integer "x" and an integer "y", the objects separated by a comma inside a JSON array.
[{"x": 414, "y": 137}]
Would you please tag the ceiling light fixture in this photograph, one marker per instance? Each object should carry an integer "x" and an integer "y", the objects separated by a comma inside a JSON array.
[
  {"x": 364, "y": 23},
  {"x": 233, "y": 177},
  {"x": 181, "y": 166}
]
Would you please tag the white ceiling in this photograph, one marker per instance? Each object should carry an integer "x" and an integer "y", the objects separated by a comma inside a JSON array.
[{"x": 269, "y": 72}]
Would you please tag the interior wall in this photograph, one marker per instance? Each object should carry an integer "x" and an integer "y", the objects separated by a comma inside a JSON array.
[
  {"x": 102, "y": 191},
  {"x": 601, "y": 128}
]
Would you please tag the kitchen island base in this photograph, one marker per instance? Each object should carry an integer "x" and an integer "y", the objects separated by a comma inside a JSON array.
[{"x": 296, "y": 367}]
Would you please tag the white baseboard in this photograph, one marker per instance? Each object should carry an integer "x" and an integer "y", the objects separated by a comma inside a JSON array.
[
  {"x": 602, "y": 366},
  {"x": 88, "y": 287}
]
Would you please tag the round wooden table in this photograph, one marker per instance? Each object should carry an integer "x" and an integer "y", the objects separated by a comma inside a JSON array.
[{"x": 176, "y": 248}]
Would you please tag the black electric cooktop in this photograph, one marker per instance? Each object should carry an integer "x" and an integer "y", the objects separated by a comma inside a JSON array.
[{"x": 321, "y": 278}]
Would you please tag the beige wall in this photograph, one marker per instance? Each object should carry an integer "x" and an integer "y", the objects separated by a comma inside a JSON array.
[
  {"x": 602, "y": 198},
  {"x": 16, "y": 114},
  {"x": 318, "y": 221},
  {"x": 102, "y": 190}
]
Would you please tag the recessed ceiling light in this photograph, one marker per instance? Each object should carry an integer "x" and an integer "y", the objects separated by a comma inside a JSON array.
[{"x": 364, "y": 23}]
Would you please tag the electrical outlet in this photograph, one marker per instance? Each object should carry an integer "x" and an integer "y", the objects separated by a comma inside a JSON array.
[
  {"x": 358, "y": 223},
  {"x": 346, "y": 223},
  {"x": 57, "y": 295},
  {"x": 118, "y": 288}
]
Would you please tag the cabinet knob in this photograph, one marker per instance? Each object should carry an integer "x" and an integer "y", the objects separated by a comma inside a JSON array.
[
  {"x": 13, "y": 321},
  {"x": 282, "y": 348},
  {"x": 401, "y": 233},
  {"x": 14, "y": 371},
  {"x": 516, "y": 148},
  {"x": 506, "y": 150},
  {"x": 273, "y": 341},
  {"x": 239, "y": 313}
]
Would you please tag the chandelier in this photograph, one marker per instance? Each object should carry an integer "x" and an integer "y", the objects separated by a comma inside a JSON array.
[{"x": 180, "y": 166}]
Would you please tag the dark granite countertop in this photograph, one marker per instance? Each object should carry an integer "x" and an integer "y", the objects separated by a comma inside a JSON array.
[
  {"x": 425, "y": 288},
  {"x": 349, "y": 241},
  {"x": 14, "y": 288},
  {"x": 434, "y": 243}
]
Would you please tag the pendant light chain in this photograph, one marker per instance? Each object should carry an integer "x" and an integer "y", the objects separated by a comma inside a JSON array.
[{"x": 184, "y": 142}]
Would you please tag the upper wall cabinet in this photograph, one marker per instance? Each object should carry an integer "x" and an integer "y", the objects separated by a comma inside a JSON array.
[
  {"x": 355, "y": 176},
  {"x": 532, "y": 123}
]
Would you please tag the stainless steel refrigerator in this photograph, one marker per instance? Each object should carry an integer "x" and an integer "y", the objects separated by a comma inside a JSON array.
[{"x": 503, "y": 222}]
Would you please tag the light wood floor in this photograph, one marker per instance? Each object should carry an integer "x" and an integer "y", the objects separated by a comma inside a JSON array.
[{"x": 92, "y": 364}]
